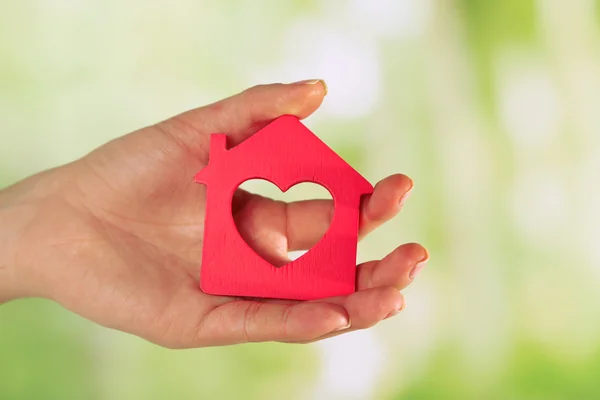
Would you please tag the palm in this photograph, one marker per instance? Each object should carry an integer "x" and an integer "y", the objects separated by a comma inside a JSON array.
[{"x": 148, "y": 223}]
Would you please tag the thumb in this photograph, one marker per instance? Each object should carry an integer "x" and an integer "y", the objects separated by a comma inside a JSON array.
[{"x": 242, "y": 115}]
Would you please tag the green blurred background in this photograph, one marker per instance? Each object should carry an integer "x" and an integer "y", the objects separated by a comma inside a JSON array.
[{"x": 492, "y": 107}]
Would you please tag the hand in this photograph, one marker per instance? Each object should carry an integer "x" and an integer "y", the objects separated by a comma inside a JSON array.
[{"x": 117, "y": 235}]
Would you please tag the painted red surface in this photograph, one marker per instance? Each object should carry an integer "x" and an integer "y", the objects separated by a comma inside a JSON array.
[{"x": 284, "y": 153}]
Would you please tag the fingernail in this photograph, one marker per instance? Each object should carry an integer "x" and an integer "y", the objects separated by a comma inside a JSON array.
[
  {"x": 396, "y": 312},
  {"x": 313, "y": 82},
  {"x": 346, "y": 325},
  {"x": 417, "y": 268},
  {"x": 406, "y": 195}
]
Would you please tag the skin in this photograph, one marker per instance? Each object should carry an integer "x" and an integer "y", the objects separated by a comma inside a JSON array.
[{"x": 116, "y": 236}]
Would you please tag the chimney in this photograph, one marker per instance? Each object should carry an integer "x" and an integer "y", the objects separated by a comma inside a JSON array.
[{"x": 218, "y": 145}]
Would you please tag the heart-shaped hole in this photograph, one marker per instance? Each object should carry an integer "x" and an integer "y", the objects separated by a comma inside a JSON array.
[{"x": 276, "y": 232}]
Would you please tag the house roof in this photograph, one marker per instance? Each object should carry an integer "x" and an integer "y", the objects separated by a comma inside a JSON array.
[{"x": 287, "y": 143}]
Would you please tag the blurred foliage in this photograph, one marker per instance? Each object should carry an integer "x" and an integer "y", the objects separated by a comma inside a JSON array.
[
  {"x": 44, "y": 353},
  {"x": 496, "y": 25},
  {"x": 532, "y": 373}
]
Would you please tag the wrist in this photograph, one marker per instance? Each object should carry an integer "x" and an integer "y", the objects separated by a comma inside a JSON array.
[
  {"x": 11, "y": 223},
  {"x": 23, "y": 208},
  {"x": 8, "y": 282}
]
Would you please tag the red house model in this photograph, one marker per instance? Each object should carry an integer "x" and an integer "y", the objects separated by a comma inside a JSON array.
[{"x": 284, "y": 153}]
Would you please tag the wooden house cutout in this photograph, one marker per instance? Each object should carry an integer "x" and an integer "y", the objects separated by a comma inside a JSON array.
[{"x": 284, "y": 153}]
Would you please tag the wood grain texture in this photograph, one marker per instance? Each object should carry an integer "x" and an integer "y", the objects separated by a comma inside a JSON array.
[{"x": 284, "y": 153}]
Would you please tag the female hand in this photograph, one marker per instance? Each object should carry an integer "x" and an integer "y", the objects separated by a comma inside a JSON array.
[{"x": 117, "y": 235}]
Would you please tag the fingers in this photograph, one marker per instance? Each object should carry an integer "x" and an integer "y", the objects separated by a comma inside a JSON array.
[
  {"x": 307, "y": 221},
  {"x": 397, "y": 269},
  {"x": 378, "y": 286},
  {"x": 378, "y": 297},
  {"x": 243, "y": 321},
  {"x": 272, "y": 228},
  {"x": 365, "y": 309},
  {"x": 242, "y": 115},
  {"x": 261, "y": 222},
  {"x": 384, "y": 203}
]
